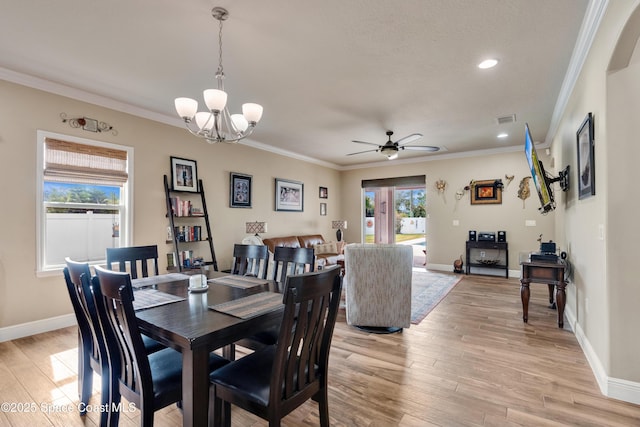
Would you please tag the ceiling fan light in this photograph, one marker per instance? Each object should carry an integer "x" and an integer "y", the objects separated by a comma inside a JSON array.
[{"x": 392, "y": 156}]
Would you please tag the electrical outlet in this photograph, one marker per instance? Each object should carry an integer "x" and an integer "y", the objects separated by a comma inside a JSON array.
[
  {"x": 530, "y": 223},
  {"x": 482, "y": 254},
  {"x": 456, "y": 222}
]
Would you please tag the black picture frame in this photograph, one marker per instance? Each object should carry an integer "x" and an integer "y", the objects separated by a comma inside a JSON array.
[
  {"x": 323, "y": 193},
  {"x": 240, "y": 190},
  {"x": 184, "y": 175},
  {"x": 289, "y": 195},
  {"x": 586, "y": 158}
]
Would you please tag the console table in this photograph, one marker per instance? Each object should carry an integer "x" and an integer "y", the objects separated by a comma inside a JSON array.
[
  {"x": 484, "y": 245},
  {"x": 551, "y": 273}
]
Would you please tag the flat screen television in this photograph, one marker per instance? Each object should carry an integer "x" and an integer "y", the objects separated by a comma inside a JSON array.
[{"x": 540, "y": 179}]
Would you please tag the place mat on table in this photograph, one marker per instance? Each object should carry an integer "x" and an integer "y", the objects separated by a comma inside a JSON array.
[
  {"x": 250, "y": 306},
  {"x": 154, "y": 280},
  {"x": 240, "y": 281},
  {"x": 147, "y": 298}
]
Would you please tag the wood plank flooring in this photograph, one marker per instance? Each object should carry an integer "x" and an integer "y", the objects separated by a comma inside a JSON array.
[{"x": 471, "y": 362}]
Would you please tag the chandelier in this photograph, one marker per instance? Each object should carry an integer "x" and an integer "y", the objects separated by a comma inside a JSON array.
[{"x": 217, "y": 125}]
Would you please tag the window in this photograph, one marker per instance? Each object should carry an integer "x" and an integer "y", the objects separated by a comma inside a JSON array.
[{"x": 84, "y": 199}]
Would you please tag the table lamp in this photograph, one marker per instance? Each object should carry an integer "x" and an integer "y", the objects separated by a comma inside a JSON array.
[
  {"x": 256, "y": 227},
  {"x": 339, "y": 225}
]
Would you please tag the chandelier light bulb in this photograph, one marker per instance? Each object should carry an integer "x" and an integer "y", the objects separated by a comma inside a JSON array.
[
  {"x": 186, "y": 107},
  {"x": 204, "y": 120},
  {"x": 215, "y": 99},
  {"x": 239, "y": 122},
  {"x": 252, "y": 112}
]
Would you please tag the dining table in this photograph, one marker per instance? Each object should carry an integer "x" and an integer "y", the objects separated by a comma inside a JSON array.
[{"x": 195, "y": 323}]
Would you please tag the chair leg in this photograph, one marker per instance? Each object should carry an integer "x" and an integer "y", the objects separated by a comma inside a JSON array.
[
  {"x": 323, "y": 407},
  {"x": 85, "y": 374}
]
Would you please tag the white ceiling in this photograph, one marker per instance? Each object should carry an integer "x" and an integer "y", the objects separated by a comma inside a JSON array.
[{"x": 326, "y": 72}]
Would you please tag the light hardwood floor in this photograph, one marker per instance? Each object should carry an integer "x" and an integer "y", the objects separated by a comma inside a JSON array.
[{"x": 471, "y": 362}]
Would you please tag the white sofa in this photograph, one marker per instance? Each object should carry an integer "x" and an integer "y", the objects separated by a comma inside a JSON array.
[{"x": 377, "y": 285}]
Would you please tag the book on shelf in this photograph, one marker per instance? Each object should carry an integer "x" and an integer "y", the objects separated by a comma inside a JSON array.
[
  {"x": 171, "y": 260},
  {"x": 180, "y": 207}
]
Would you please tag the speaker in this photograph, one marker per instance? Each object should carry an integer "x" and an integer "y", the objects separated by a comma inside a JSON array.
[
  {"x": 502, "y": 236},
  {"x": 472, "y": 235}
]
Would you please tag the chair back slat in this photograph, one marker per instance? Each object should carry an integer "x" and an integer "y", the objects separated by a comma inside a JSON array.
[
  {"x": 128, "y": 258},
  {"x": 302, "y": 350},
  {"x": 250, "y": 260},
  {"x": 288, "y": 261}
]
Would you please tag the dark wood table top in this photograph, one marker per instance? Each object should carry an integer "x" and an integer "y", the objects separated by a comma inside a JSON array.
[{"x": 191, "y": 323}]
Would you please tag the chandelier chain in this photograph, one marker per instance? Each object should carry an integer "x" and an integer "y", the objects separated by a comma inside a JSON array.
[{"x": 220, "y": 68}]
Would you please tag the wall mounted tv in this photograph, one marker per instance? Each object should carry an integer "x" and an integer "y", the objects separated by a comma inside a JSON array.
[{"x": 541, "y": 181}]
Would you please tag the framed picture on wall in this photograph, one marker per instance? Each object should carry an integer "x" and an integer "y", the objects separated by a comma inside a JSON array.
[
  {"x": 289, "y": 195},
  {"x": 323, "y": 209},
  {"x": 239, "y": 190},
  {"x": 324, "y": 193},
  {"x": 486, "y": 192},
  {"x": 184, "y": 175},
  {"x": 586, "y": 159}
]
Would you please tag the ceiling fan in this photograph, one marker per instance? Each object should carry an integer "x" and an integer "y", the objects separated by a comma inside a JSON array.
[{"x": 390, "y": 149}]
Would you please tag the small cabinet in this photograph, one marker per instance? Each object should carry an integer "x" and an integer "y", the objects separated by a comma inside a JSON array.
[
  {"x": 487, "y": 254},
  {"x": 189, "y": 231}
]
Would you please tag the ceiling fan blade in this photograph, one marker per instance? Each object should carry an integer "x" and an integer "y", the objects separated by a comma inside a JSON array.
[
  {"x": 409, "y": 138},
  {"x": 368, "y": 143},
  {"x": 361, "y": 152},
  {"x": 420, "y": 147}
]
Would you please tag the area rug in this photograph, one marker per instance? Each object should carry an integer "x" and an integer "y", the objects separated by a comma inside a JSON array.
[{"x": 428, "y": 288}]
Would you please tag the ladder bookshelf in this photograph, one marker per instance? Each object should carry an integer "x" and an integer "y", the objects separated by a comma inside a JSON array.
[{"x": 187, "y": 214}]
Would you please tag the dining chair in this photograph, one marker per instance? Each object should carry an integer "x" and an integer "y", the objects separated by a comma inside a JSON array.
[
  {"x": 288, "y": 261},
  {"x": 250, "y": 260},
  {"x": 149, "y": 381},
  {"x": 92, "y": 353},
  {"x": 272, "y": 382},
  {"x": 132, "y": 255},
  {"x": 90, "y": 348}
]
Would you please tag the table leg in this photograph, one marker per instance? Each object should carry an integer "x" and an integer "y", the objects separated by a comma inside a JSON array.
[
  {"x": 524, "y": 296},
  {"x": 195, "y": 387},
  {"x": 561, "y": 299},
  {"x": 552, "y": 303}
]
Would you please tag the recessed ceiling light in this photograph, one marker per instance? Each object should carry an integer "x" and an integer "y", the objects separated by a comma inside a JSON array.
[
  {"x": 503, "y": 135},
  {"x": 488, "y": 63}
]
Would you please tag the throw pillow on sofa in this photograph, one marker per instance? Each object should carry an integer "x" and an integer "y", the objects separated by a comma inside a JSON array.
[{"x": 326, "y": 248}]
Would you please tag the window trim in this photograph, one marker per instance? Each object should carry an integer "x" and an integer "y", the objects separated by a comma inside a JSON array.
[{"x": 126, "y": 227}]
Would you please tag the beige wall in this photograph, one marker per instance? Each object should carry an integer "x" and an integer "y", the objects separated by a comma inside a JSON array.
[
  {"x": 26, "y": 298},
  {"x": 604, "y": 296},
  {"x": 445, "y": 241}
]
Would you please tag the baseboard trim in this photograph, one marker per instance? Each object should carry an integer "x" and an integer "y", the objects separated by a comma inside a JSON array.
[{"x": 36, "y": 327}]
